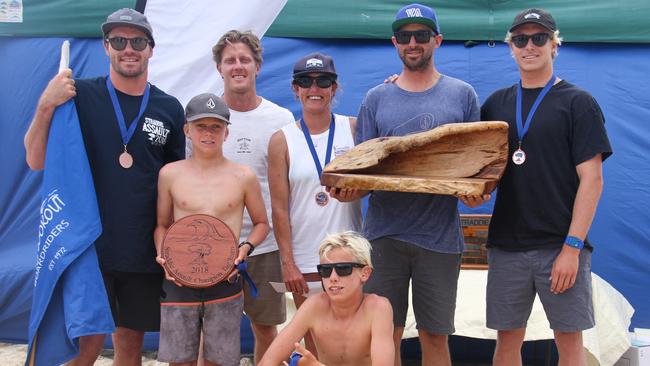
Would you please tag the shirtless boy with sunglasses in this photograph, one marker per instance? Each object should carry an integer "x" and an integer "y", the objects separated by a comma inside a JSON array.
[{"x": 348, "y": 326}]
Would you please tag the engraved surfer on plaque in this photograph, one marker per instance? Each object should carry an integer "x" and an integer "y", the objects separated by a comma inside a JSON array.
[{"x": 199, "y": 251}]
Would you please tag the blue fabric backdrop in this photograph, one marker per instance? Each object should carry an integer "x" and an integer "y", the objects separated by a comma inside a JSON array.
[{"x": 616, "y": 74}]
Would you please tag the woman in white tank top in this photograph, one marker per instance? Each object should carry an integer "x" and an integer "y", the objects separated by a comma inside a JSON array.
[{"x": 303, "y": 213}]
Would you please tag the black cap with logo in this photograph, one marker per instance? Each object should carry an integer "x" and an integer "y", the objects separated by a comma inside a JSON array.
[{"x": 534, "y": 15}]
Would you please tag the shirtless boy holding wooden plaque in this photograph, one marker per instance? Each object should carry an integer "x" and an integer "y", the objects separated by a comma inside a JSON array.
[{"x": 206, "y": 184}]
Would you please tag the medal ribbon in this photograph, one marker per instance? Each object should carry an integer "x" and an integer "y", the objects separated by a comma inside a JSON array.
[
  {"x": 126, "y": 134},
  {"x": 312, "y": 149},
  {"x": 522, "y": 128},
  {"x": 241, "y": 267},
  {"x": 294, "y": 358}
]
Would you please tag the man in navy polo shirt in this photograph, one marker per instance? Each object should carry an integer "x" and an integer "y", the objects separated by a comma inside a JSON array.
[{"x": 130, "y": 130}]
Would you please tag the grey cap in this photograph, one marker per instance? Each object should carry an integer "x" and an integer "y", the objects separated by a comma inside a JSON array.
[
  {"x": 207, "y": 105},
  {"x": 128, "y": 18}
]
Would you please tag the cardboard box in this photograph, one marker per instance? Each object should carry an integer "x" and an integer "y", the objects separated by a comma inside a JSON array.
[
  {"x": 475, "y": 229},
  {"x": 635, "y": 356}
]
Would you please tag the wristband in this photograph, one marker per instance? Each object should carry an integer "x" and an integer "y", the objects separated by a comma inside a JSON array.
[
  {"x": 252, "y": 247},
  {"x": 574, "y": 242}
]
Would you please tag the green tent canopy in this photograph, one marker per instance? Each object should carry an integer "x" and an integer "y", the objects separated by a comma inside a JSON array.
[
  {"x": 623, "y": 21},
  {"x": 479, "y": 20},
  {"x": 56, "y": 18}
]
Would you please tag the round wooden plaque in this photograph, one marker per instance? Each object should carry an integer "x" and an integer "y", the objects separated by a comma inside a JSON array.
[{"x": 199, "y": 250}]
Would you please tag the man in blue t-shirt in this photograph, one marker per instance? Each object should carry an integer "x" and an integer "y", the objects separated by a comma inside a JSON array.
[
  {"x": 416, "y": 237},
  {"x": 130, "y": 130},
  {"x": 537, "y": 241}
]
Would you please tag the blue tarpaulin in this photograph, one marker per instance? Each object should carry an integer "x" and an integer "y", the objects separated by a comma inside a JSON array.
[{"x": 616, "y": 74}]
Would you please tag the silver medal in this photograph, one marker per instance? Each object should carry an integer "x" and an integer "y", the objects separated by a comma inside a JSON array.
[{"x": 519, "y": 157}]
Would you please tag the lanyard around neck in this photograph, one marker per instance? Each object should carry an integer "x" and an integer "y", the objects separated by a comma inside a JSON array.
[
  {"x": 522, "y": 128},
  {"x": 126, "y": 134},
  {"x": 310, "y": 143}
]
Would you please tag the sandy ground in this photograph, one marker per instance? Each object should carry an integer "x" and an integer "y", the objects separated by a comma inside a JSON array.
[{"x": 14, "y": 355}]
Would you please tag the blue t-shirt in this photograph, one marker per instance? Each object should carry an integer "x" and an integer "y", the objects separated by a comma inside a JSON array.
[
  {"x": 429, "y": 221},
  {"x": 127, "y": 197}
]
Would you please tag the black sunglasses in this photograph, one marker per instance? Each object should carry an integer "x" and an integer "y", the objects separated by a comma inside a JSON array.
[
  {"x": 521, "y": 40},
  {"x": 421, "y": 36},
  {"x": 137, "y": 43},
  {"x": 342, "y": 269},
  {"x": 308, "y": 81}
]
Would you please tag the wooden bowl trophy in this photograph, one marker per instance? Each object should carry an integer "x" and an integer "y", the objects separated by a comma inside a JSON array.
[{"x": 199, "y": 251}]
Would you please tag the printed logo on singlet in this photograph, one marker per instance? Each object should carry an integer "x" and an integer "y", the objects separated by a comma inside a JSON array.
[
  {"x": 244, "y": 145},
  {"x": 419, "y": 123},
  {"x": 340, "y": 150},
  {"x": 156, "y": 131}
]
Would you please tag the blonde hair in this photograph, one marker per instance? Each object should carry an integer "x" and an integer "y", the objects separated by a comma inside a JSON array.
[
  {"x": 234, "y": 36},
  {"x": 358, "y": 246},
  {"x": 555, "y": 38}
]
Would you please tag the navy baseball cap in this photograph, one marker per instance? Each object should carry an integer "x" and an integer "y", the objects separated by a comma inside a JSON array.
[
  {"x": 416, "y": 13},
  {"x": 314, "y": 62}
]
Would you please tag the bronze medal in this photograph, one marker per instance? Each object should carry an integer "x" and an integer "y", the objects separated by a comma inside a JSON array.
[
  {"x": 126, "y": 160},
  {"x": 322, "y": 198},
  {"x": 199, "y": 251}
]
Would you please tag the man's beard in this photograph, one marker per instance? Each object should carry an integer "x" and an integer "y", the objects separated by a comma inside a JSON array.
[
  {"x": 422, "y": 64},
  {"x": 130, "y": 73}
]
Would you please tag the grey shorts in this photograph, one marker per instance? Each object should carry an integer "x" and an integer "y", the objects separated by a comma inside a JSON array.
[
  {"x": 515, "y": 277},
  {"x": 269, "y": 307},
  {"x": 181, "y": 326},
  {"x": 434, "y": 278}
]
